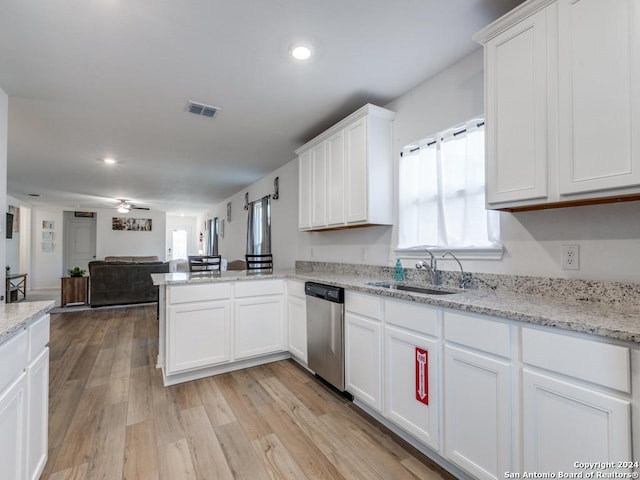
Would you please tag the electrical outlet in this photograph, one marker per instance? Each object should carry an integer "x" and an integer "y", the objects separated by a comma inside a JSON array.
[{"x": 570, "y": 257}]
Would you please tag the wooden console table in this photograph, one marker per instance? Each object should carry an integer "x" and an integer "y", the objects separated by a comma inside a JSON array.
[
  {"x": 16, "y": 284},
  {"x": 75, "y": 291}
]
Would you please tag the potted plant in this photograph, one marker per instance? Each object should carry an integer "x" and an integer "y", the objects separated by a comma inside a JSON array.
[{"x": 76, "y": 272}]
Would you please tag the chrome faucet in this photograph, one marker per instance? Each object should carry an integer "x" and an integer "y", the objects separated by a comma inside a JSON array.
[
  {"x": 463, "y": 279},
  {"x": 432, "y": 266}
]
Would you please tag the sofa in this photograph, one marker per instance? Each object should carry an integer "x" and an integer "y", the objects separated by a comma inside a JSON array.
[{"x": 124, "y": 280}]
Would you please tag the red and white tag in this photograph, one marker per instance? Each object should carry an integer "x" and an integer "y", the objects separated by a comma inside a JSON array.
[{"x": 422, "y": 376}]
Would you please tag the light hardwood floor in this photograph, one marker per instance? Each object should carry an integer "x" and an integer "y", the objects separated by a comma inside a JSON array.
[{"x": 111, "y": 418}]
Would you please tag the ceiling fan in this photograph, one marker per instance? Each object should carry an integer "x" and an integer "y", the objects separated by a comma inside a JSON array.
[{"x": 124, "y": 206}]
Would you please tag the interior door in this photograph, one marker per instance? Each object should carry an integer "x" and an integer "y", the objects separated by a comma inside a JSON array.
[{"x": 80, "y": 242}]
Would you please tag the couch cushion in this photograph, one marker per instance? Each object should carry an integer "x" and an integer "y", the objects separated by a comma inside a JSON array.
[{"x": 130, "y": 259}]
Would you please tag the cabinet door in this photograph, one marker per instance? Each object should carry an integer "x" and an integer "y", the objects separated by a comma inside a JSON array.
[
  {"x": 477, "y": 422},
  {"x": 37, "y": 414},
  {"x": 12, "y": 429},
  {"x": 304, "y": 191},
  {"x": 356, "y": 194},
  {"x": 516, "y": 108},
  {"x": 259, "y": 326},
  {"x": 563, "y": 422},
  {"x": 363, "y": 359},
  {"x": 297, "y": 313},
  {"x": 318, "y": 186},
  {"x": 402, "y": 384},
  {"x": 335, "y": 179},
  {"x": 599, "y": 120},
  {"x": 199, "y": 335}
]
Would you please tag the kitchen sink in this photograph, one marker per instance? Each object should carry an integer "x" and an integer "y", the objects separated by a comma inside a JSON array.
[{"x": 412, "y": 288}]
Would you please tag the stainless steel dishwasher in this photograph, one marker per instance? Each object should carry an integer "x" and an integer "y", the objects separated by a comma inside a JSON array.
[{"x": 325, "y": 332}]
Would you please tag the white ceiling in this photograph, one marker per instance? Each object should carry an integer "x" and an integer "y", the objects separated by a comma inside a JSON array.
[{"x": 88, "y": 79}]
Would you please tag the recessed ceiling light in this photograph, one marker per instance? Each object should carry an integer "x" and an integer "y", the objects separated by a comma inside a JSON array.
[
  {"x": 300, "y": 52},
  {"x": 109, "y": 161}
]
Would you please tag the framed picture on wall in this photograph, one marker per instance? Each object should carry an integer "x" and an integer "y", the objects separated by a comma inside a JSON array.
[{"x": 229, "y": 212}]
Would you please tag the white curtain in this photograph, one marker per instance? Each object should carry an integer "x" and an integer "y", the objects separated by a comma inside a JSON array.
[
  {"x": 259, "y": 227},
  {"x": 441, "y": 192}
]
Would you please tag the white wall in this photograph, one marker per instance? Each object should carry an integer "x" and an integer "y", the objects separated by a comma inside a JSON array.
[
  {"x": 608, "y": 235},
  {"x": 130, "y": 243},
  {"x": 46, "y": 267},
  {"x": 284, "y": 218}
]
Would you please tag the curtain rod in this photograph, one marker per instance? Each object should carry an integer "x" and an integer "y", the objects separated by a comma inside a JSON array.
[{"x": 455, "y": 134}]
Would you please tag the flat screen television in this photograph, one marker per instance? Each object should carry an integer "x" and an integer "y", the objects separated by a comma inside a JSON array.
[{"x": 9, "y": 225}]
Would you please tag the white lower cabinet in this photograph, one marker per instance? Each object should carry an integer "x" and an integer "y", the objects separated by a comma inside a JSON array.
[
  {"x": 564, "y": 422},
  {"x": 297, "y": 321},
  {"x": 13, "y": 404},
  {"x": 198, "y": 335},
  {"x": 259, "y": 326},
  {"x": 576, "y": 401},
  {"x": 24, "y": 402},
  {"x": 363, "y": 348},
  {"x": 37, "y": 414},
  {"x": 477, "y": 420},
  {"x": 363, "y": 359},
  {"x": 412, "y": 383}
]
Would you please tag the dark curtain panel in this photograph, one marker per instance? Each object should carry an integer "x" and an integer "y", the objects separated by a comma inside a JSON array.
[
  {"x": 259, "y": 227},
  {"x": 211, "y": 247}
]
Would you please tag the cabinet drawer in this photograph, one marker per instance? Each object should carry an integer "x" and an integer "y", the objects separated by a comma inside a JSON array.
[
  {"x": 259, "y": 287},
  {"x": 477, "y": 332},
  {"x": 295, "y": 288},
  {"x": 13, "y": 358},
  {"x": 38, "y": 336},
  {"x": 199, "y": 293},
  {"x": 366, "y": 305},
  {"x": 596, "y": 362},
  {"x": 413, "y": 316}
]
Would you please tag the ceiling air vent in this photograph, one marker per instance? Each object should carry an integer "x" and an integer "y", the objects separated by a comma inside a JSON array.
[{"x": 202, "y": 109}]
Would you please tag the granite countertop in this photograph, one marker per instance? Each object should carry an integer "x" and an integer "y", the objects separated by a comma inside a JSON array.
[
  {"x": 16, "y": 316},
  {"x": 620, "y": 322}
]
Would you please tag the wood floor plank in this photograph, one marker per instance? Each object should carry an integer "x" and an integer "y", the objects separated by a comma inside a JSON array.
[
  {"x": 165, "y": 414},
  {"x": 140, "y": 452},
  {"x": 62, "y": 408},
  {"x": 206, "y": 453},
  {"x": 77, "y": 472},
  {"x": 245, "y": 412},
  {"x": 302, "y": 449},
  {"x": 112, "y": 418},
  {"x": 80, "y": 435},
  {"x": 250, "y": 387},
  {"x": 214, "y": 402},
  {"x": 175, "y": 461},
  {"x": 140, "y": 404},
  {"x": 242, "y": 459},
  {"x": 102, "y": 367},
  {"x": 106, "y": 461},
  {"x": 281, "y": 465},
  {"x": 331, "y": 444}
]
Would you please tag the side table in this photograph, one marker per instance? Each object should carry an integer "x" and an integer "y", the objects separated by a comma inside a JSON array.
[{"x": 75, "y": 291}]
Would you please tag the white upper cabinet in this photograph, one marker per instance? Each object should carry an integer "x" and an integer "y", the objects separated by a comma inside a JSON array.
[
  {"x": 562, "y": 104},
  {"x": 346, "y": 173},
  {"x": 516, "y": 75},
  {"x": 599, "y": 44}
]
